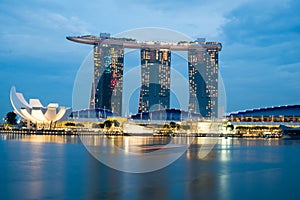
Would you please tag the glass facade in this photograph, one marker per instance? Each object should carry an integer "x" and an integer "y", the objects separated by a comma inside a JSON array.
[
  {"x": 203, "y": 81},
  {"x": 91, "y": 113},
  {"x": 108, "y": 78},
  {"x": 155, "y": 73},
  {"x": 167, "y": 114}
]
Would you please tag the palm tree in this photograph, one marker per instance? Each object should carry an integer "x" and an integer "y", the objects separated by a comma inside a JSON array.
[{"x": 11, "y": 118}]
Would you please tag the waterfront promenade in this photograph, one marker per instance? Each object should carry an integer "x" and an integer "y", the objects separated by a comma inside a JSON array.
[{"x": 97, "y": 132}]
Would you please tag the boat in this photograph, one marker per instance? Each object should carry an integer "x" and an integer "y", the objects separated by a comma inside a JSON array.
[
  {"x": 290, "y": 132},
  {"x": 137, "y": 130}
]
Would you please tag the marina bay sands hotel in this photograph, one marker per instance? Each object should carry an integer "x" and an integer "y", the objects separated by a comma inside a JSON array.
[{"x": 107, "y": 85}]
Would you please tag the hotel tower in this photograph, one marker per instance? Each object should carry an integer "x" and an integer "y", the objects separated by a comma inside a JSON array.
[
  {"x": 155, "y": 73},
  {"x": 107, "y": 83}
]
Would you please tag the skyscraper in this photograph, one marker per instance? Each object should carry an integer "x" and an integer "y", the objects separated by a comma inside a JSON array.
[
  {"x": 155, "y": 73},
  {"x": 203, "y": 80},
  {"x": 108, "y": 78}
]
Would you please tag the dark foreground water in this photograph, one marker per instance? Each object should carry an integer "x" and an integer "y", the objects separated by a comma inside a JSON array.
[{"x": 60, "y": 167}]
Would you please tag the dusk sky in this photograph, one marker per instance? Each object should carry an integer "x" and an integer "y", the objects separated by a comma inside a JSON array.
[{"x": 259, "y": 61}]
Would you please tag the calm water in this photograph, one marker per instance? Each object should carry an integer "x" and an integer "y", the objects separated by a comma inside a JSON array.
[{"x": 60, "y": 167}]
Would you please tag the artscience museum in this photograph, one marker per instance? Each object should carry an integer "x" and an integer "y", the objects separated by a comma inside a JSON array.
[{"x": 34, "y": 112}]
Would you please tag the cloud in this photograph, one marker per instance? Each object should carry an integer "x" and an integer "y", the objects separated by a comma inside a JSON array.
[
  {"x": 260, "y": 40},
  {"x": 263, "y": 25},
  {"x": 58, "y": 22},
  {"x": 195, "y": 18},
  {"x": 266, "y": 33},
  {"x": 261, "y": 55}
]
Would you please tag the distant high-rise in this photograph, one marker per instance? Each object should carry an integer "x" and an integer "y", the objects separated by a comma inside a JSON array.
[{"x": 155, "y": 73}]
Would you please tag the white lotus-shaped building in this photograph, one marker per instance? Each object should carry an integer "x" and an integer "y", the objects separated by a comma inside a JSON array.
[{"x": 34, "y": 111}]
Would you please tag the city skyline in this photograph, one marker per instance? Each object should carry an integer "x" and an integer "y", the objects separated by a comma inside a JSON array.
[
  {"x": 258, "y": 46},
  {"x": 129, "y": 99}
]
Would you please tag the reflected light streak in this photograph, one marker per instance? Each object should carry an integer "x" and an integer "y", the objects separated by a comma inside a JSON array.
[
  {"x": 226, "y": 144},
  {"x": 61, "y": 139}
]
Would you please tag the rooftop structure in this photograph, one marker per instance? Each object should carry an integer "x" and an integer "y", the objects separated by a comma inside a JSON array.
[
  {"x": 134, "y": 44},
  {"x": 286, "y": 110},
  {"x": 286, "y": 113}
]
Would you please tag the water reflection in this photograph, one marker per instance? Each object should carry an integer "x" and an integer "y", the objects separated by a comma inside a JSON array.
[
  {"x": 136, "y": 154},
  {"x": 30, "y": 165},
  {"x": 62, "y": 139},
  {"x": 35, "y": 168}
]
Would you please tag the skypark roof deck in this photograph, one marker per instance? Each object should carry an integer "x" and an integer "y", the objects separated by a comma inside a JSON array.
[{"x": 134, "y": 44}]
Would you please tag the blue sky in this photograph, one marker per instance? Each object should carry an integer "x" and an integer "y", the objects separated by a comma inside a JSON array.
[{"x": 259, "y": 62}]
